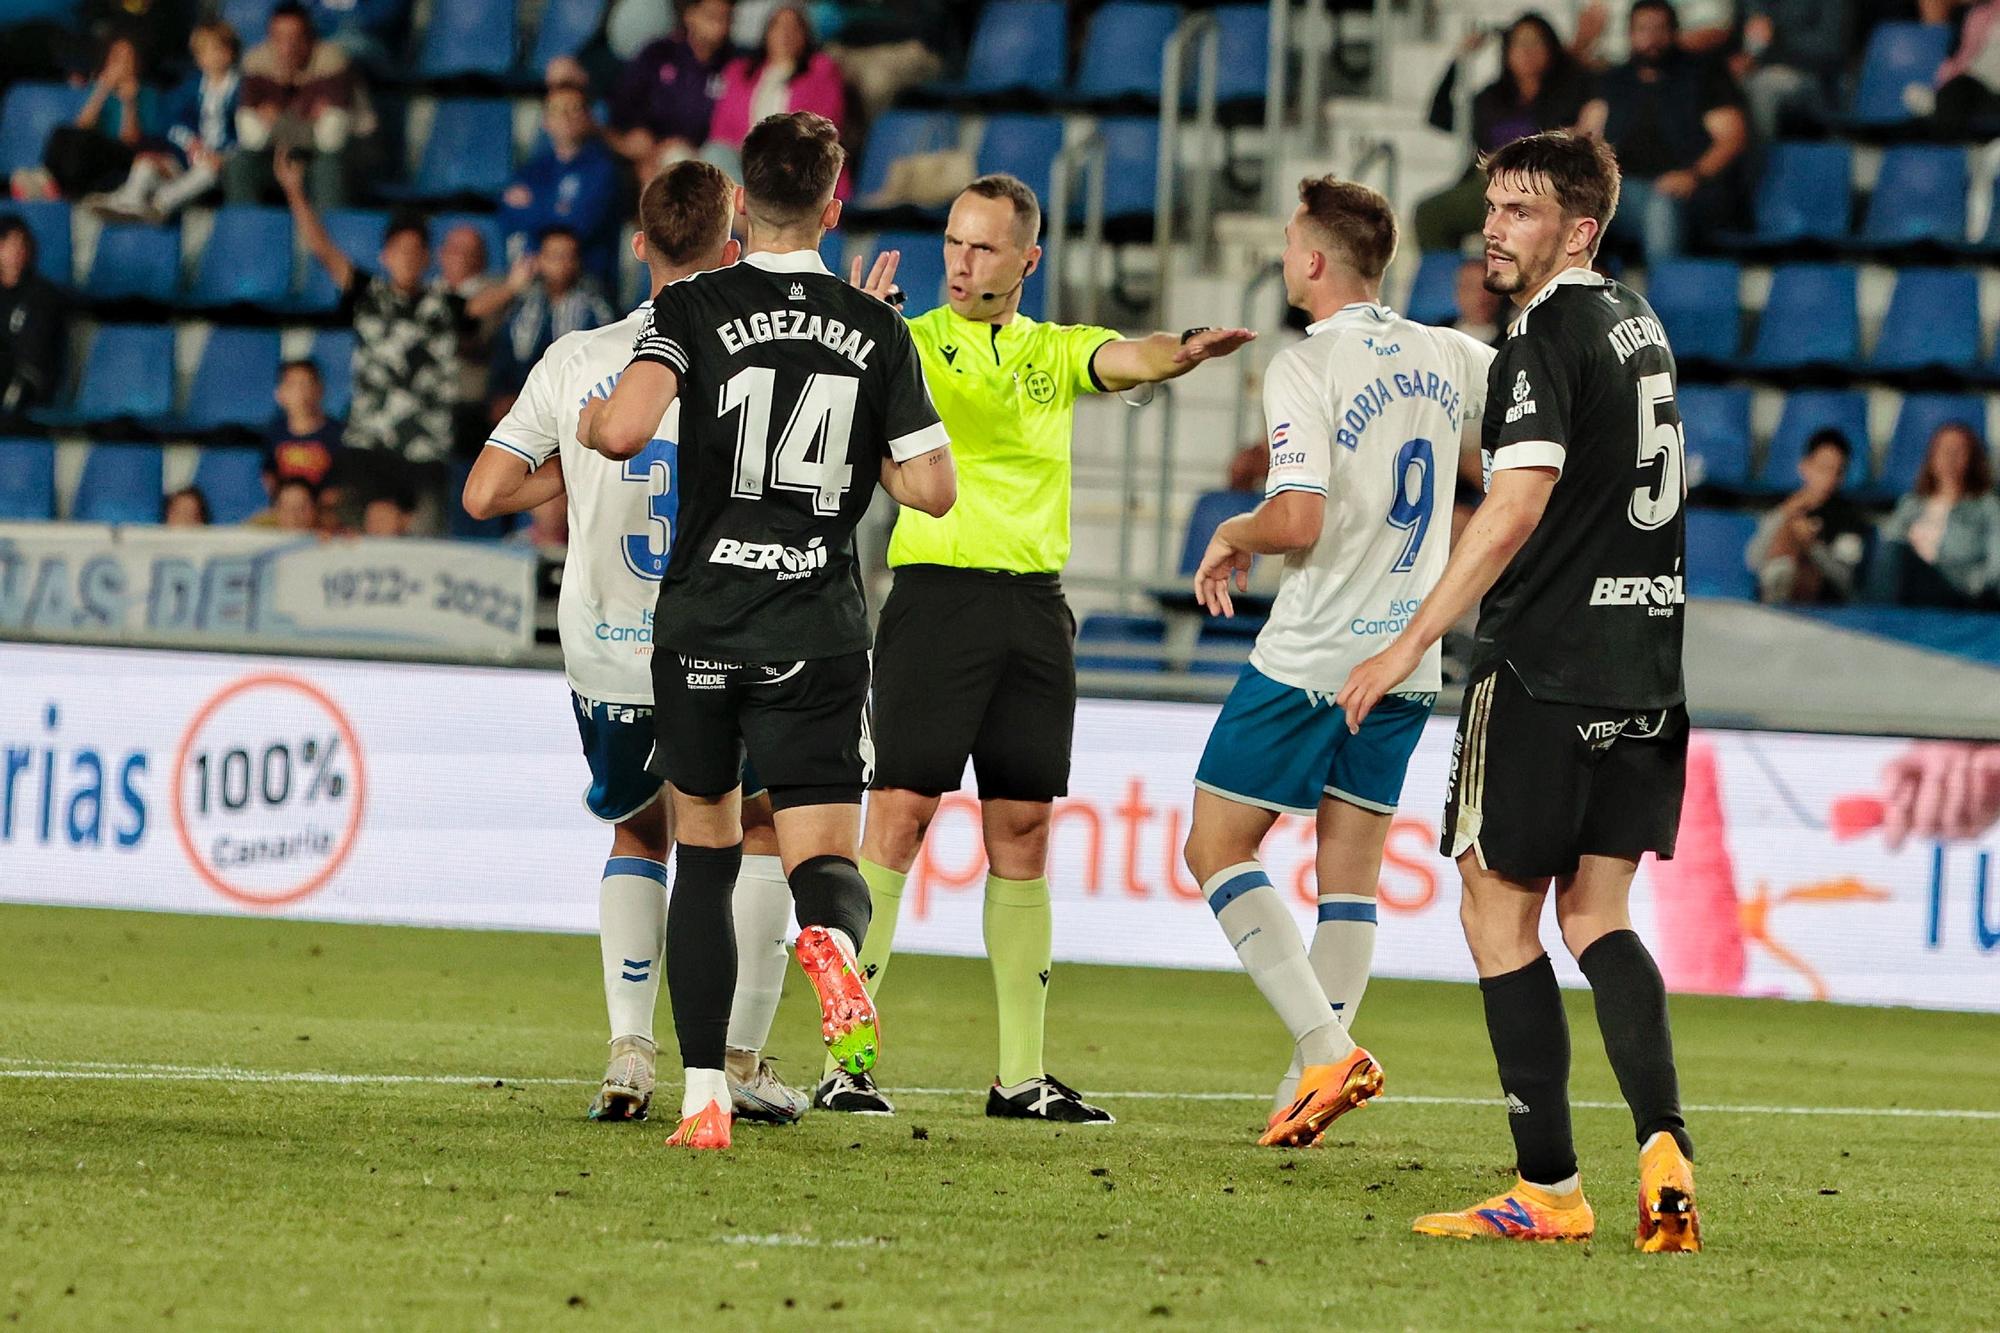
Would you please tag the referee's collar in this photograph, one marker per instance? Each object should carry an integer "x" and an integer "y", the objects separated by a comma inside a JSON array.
[
  {"x": 1373, "y": 310},
  {"x": 787, "y": 261}
]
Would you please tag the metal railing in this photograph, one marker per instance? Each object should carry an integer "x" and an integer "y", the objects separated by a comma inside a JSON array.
[
  {"x": 1199, "y": 33},
  {"x": 1086, "y": 155}
]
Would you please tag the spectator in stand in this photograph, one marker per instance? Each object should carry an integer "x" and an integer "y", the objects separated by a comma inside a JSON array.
[
  {"x": 664, "y": 100},
  {"x": 561, "y": 300},
  {"x": 1479, "y": 310},
  {"x": 462, "y": 268},
  {"x": 1966, "y": 102},
  {"x": 303, "y": 441},
  {"x": 1809, "y": 549},
  {"x": 34, "y": 314},
  {"x": 788, "y": 73},
  {"x": 399, "y": 422},
  {"x": 547, "y": 529},
  {"x": 1706, "y": 28},
  {"x": 295, "y": 507},
  {"x": 1941, "y": 546},
  {"x": 186, "y": 508},
  {"x": 393, "y": 513},
  {"x": 1677, "y": 125},
  {"x": 299, "y": 93},
  {"x": 883, "y": 48},
  {"x": 1794, "y": 54},
  {"x": 570, "y": 182},
  {"x": 1541, "y": 87},
  {"x": 202, "y": 130},
  {"x": 94, "y": 154}
]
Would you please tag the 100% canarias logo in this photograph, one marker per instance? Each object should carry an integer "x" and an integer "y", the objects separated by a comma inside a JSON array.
[{"x": 268, "y": 790}]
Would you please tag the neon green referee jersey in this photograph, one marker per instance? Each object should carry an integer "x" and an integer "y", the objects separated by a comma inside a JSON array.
[{"x": 1006, "y": 393}]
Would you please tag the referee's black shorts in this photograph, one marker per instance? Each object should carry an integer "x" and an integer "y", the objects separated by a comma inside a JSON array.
[{"x": 974, "y": 663}]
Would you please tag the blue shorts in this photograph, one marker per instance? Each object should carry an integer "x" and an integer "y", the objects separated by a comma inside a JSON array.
[
  {"x": 617, "y": 741},
  {"x": 1286, "y": 749}
]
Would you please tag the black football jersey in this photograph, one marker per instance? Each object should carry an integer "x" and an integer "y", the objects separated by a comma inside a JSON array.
[
  {"x": 793, "y": 387},
  {"x": 1591, "y": 610}
]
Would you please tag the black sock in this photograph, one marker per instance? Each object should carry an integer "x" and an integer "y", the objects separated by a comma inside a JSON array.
[
  {"x": 1530, "y": 1034},
  {"x": 829, "y": 891},
  {"x": 1632, "y": 1016},
  {"x": 701, "y": 950}
]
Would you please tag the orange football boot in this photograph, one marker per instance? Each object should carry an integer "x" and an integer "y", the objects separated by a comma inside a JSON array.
[
  {"x": 847, "y": 1019},
  {"x": 1325, "y": 1093},
  {"x": 1668, "y": 1222},
  {"x": 1526, "y": 1212},
  {"x": 706, "y": 1128}
]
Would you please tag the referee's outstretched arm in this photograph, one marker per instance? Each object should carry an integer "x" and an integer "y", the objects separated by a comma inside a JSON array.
[{"x": 1129, "y": 362}]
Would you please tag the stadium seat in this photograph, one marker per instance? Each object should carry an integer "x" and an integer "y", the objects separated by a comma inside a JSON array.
[
  {"x": 247, "y": 261},
  {"x": 48, "y": 220},
  {"x": 1932, "y": 324},
  {"x": 1715, "y": 544},
  {"x": 136, "y": 262},
  {"x": 1919, "y": 197},
  {"x": 1717, "y": 422},
  {"x": 1102, "y": 634},
  {"x": 234, "y": 381},
  {"x": 232, "y": 480},
  {"x": 1024, "y": 146},
  {"x": 333, "y": 353},
  {"x": 1921, "y": 415},
  {"x": 898, "y": 134},
  {"x": 487, "y": 225},
  {"x": 1121, "y": 52},
  {"x": 1243, "y": 58},
  {"x": 1131, "y": 170},
  {"x": 121, "y": 484},
  {"x": 1434, "y": 291},
  {"x": 468, "y": 38},
  {"x": 28, "y": 115},
  {"x": 1810, "y": 320},
  {"x": 1805, "y": 194},
  {"x": 1697, "y": 300},
  {"x": 358, "y": 232},
  {"x": 1899, "y": 54},
  {"x": 566, "y": 28},
  {"x": 27, "y": 479},
  {"x": 1232, "y": 637},
  {"x": 1806, "y": 411},
  {"x": 920, "y": 272},
  {"x": 248, "y": 17},
  {"x": 1210, "y": 511},
  {"x": 470, "y": 152},
  {"x": 1020, "y": 47},
  {"x": 128, "y": 375}
]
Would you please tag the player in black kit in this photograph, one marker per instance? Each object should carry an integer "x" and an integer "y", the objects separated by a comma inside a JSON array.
[
  {"x": 797, "y": 392},
  {"x": 1572, "y": 744}
]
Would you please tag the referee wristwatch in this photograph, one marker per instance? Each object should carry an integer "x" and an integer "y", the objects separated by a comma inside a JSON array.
[{"x": 1189, "y": 335}]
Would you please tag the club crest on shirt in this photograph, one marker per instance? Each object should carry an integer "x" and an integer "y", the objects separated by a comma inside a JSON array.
[{"x": 1524, "y": 406}]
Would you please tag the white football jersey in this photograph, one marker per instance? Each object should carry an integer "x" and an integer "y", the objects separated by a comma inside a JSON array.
[
  {"x": 1369, "y": 411},
  {"x": 621, "y": 515}
]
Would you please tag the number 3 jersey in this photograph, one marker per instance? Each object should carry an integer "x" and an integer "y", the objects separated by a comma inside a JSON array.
[
  {"x": 793, "y": 388},
  {"x": 1368, "y": 411},
  {"x": 1590, "y": 610},
  {"x": 621, "y": 515}
]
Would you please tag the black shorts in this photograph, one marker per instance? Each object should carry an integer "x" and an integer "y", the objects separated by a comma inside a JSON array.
[
  {"x": 804, "y": 725},
  {"x": 1535, "y": 786},
  {"x": 971, "y": 663}
]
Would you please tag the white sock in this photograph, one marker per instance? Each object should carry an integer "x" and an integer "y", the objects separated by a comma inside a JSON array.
[
  {"x": 1261, "y": 930},
  {"x": 631, "y": 934},
  {"x": 763, "y": 908},
  {"x": 702, "y": 1087},
  {"x": 1343, "y": 950},
  {"x": 847, "y": 945},
  {"x": 185, "y": 188}
]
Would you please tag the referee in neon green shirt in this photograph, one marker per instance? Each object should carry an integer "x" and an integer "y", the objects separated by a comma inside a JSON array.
[{"x": 975, "y": 653}]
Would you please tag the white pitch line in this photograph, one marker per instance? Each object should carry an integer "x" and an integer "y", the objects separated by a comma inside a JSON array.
[{"x": 132, "y": 1071}]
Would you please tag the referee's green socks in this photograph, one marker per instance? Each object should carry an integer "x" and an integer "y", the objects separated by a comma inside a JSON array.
[
  {"x": 885, "y": 891},
  {"x": 1019, "y": 931}
]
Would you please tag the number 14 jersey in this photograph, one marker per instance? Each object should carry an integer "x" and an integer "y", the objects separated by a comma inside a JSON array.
[
  {"x": 1368, "y": 411},
  {"x": 793, "y": 387}
]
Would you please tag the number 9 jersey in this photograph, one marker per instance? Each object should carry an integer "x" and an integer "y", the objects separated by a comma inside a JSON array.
[{"x": 621, "y": 515}]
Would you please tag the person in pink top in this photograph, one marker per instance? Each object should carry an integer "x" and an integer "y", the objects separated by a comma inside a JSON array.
[{"x": 787, "y": 73}]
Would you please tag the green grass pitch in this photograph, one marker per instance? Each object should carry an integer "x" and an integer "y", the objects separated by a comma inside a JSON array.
[{"x": 138, "y": 1189}]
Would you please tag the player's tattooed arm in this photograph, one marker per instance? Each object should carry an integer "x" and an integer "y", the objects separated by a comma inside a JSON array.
[
  {"x": 622, "y": 425},
  {"x": 928, "y": 482},
  {"x": 502, "y": 483},
  {"x": 1126, "y": 363}
]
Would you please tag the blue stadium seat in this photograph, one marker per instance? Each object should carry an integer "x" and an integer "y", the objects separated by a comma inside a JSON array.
[
  {"x": 1233, "y": 636},
  {"x": 1243, "y": 56},
  {"x": 1919, "y": 197},
  {"x": 27, "y": 116},
  {"x": 468, "y": 37},
  {"x": 1434, "y": 291},
  {"x": 249, "y": 18},
  {"x": 358, "y": 232},
  {"x": 1024, "y": 146},
  {"x": 1210, "y": 511},
  {"x": 898, "y": 134},
  {"x": 333, "y": 353},
  {"x": 27, "y": 479},
  {"x": 566, "y": 28},
  {"x": 1121, "y": 52},
  {"x": 1805, "y": 413},
  {"x": 1715, "y": 546},
  {"x": 128, "y": 375},
  {"x": 233, "y": 384},
  {"x": 136, "y": 262},
  {"x": 1102, "y": 634},
  {"x": 1717, "y": 422},
  {"x": 1932, "y": 324},
  {"x": 1899, "y": 54},
  {"x": 1697, "y": 301},
  {"x": 1806, "y": 193},
  {"x": 470, "y": 151},
  {"x": 488, "y": 227},
  {"x": 232, "y": 480},
  {"x": 48, "y": 220},
  {"x": 1922, "y": 414},
  {"x": 1811, "y": 319},
  {"x": 1020, "y": 46},
  {"x": 121, "y": 484},
  {"x": 920, "y": 271},
  {"x": 247, "y": 261},
  {"x": 1131, "y": 167}
]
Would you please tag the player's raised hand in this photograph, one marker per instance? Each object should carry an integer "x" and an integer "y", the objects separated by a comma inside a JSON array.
[
  {"x": 1219, "y": 564},
  {"x": 881, "y": 279},
  {"x": 1368, "y": 683},
  {"x": 1212, "y": 343}
]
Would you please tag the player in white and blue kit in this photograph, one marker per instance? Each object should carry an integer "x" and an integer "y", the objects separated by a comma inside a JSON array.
[
  {"x": 1366, "y": 419},
  {"x": 621, "y": 525}
]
